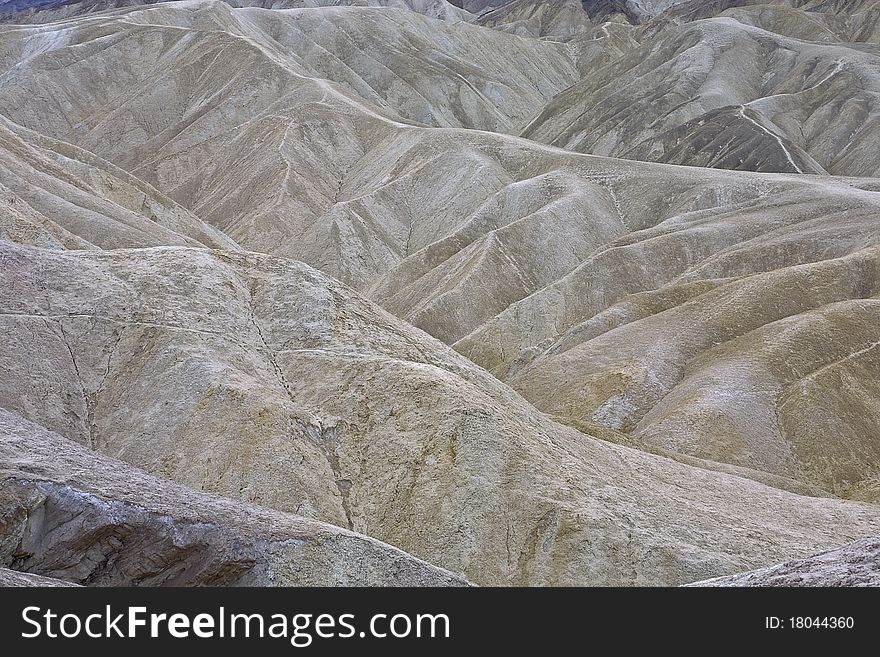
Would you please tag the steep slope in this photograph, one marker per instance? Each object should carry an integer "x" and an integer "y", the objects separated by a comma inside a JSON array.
[
  {"x": 562, "y": 260},
  {"x": 56, "y": 195},
  {"x": 837, "y": 11},
  {"x": 261, "y": 379},
  {"x": 777, "y": 374},
  {"x": 721, "y": 93},
  {"x": 755, "y": 88},
  {"x": 534, "y": 18},
  {"x": 73, "y": 515},
  {"x": 644, "y": 11},
  {"x": 523, "y": 256},
  {"x": 549, "y": 215},
  {"x": 857, "y": 564},
  {"x": 433, "y": 74},
  {"x": 15, "y": 578},
  {"x": 479, "y": 6},
  {"x": 722, "y": 322},
  {"x": 409, "y": 65},
  {"x": 854, "y": 23},
  {"x": 44, "y": 11},
  {"x": 601, "y": 11},
  {"x": 334, "y": 183},
  {"x": 196, "y": 126}
]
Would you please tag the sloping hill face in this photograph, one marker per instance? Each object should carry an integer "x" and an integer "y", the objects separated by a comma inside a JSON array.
[
  {"x": 19, "y": 579},
  {"x": 799, "y": 107},
  {"x": 479, "y": 6},
  {"x": 183, "y": 183},
  {"x": 777, "y": 377},
  {"x": 722, "y": 93},
  {"x": 60, "y": 503},
  {"x": 644, "y": 11},
  {"x": 423, "y": 68},
  {"x": 456, "y": 76},
  {"x": 501, "y": 269},
  {"x": 46, "y": 11},
  {"x": 55, "y": 195},
  {"x": 261, "y": 379},
  {"x": 861, "y": 27},
  {"x": 556, "y": 18},
  {"x": 852, "y": 12},
  {"x": 853, "y": 565},
  {"x": 731, "y": 260},
  {"x": 194, "y": 127}
]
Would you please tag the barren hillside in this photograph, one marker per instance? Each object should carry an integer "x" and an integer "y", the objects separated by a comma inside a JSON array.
[{"x": 504, "y": 293}]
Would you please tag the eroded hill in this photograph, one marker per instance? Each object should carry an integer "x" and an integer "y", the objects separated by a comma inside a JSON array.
[{"x": 399, "y": 268}]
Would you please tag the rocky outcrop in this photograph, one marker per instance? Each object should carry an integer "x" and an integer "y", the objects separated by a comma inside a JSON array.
[
  {"x": 857, "y": 564},
  {"x": 70, "y": 514},
  {"x": 15, "y": 578}
]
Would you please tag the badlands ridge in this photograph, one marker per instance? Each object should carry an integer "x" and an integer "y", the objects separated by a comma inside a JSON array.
[{"x": 410, "y": 292}]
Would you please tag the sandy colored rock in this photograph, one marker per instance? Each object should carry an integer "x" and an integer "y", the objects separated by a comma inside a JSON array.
[
  {"x": 726, "y": 93},
  {"x": 71, "y": 514},
  {"x": 56, "y": 195},
  {"x": 223, "y": 231},
  {"x": 264, "y": 380}
]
